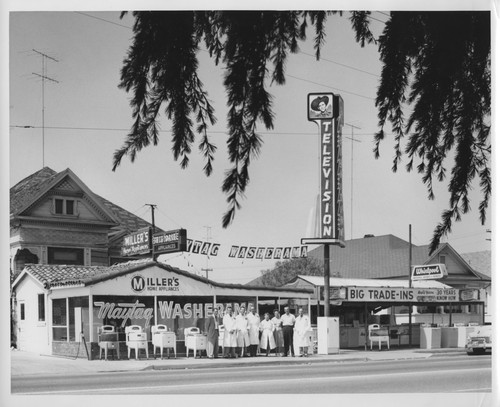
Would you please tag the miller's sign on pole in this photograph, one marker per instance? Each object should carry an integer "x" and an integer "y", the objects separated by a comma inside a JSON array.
[{"x": 428, "y": 272}]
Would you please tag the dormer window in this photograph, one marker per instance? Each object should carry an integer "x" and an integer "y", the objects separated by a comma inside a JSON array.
[{"x": 63, "y": 206}]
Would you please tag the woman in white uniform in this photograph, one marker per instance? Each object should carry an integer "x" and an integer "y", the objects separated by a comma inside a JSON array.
[{"x": 267, "y": 339}]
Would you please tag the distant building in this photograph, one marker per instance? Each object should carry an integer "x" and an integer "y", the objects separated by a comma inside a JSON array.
[{"x": 56, "y": 219}]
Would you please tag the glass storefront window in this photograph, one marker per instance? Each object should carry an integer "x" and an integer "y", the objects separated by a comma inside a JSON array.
[{"x": 59, "y": 320}]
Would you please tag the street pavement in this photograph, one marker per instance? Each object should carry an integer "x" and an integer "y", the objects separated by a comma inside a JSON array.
[{"x": 27, "y": 363}]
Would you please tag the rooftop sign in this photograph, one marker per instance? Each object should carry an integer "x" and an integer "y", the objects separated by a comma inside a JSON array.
[
  {"x": 170, "y": 242},
  {"x": 428, "y": 272},
  {"x": 137, "y": 243}
]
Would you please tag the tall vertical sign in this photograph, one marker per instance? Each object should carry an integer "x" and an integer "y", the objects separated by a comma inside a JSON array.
[{"x": 327, "y": 110}]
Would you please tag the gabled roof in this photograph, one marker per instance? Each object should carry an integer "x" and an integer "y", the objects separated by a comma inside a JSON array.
[
  {"x": 373, "y": 257},
  {"x": 31, "y": 188},
  {"x": 52, "y": 276},
  {"x": 479, "y": 261},
  {"x": 25, "y": 191}
]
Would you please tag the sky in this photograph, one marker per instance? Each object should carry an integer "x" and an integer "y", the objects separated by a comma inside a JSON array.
[{"x": 87, "y": 117}]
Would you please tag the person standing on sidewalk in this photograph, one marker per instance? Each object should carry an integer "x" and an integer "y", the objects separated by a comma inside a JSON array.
[
  {"x": 278, "y": 332},
  {"x": 288, "y": 321},
  {"x": 267, "y": 340},
  {"x": 242, "y": 338},
  {"x": 212, "y": 330},
  {"x": 253, "y": 330},
  {"x": 229, "y": 333},
  {"x": 302, "y": 329}
]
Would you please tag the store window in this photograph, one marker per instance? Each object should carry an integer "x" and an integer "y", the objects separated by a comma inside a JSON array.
[
  {"x": 65, "y": 255},
  {"x": 59, "y": 320},
  {"x": 41, "y": 307}
]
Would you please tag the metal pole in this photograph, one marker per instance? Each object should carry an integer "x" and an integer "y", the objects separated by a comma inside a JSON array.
[
  {"x": 326, "y": 293},
  {"x": 153, "y": 231},
  {"x": 409, "y": 284}
]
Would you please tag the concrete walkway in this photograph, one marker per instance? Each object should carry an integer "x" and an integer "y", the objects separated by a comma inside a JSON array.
[{"x": 26, "y": 363}]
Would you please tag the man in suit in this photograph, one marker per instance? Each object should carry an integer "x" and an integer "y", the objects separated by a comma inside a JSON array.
[{"x": 212, "y": 329}]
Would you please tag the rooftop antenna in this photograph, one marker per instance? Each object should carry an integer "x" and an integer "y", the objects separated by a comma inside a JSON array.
[{"x": 44, "y": 77}]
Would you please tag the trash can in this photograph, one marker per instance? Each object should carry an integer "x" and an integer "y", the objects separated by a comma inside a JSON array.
[
  {"x": 108, "y": 339},
  {"x": 136, "y": 339},
  {"x": 161, "y": 338}
]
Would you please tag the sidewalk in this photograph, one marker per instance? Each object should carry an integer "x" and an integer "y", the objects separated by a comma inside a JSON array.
[{"x": 26, "y": 363}]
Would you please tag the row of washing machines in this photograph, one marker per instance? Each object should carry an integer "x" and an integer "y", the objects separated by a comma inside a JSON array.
[{"x": 136, "y": 339}]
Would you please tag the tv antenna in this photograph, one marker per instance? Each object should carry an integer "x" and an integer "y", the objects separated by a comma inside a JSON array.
[{"x": 44, "y": 77}]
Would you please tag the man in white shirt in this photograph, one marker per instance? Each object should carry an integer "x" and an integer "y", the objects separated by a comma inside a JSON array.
[
  {"x": 302, "y": 329},
  {"x": 288, "y": 321}
]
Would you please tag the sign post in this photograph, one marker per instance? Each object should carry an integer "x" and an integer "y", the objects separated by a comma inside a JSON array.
[{"x": 327, "y": 110}]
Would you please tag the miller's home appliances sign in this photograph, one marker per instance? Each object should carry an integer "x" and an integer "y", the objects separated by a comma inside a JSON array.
[{"x": 141, "y": 242}]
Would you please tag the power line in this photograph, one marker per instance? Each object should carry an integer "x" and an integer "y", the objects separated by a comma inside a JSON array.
[
  {"x": 103, "y": 19},
  {"x": 300, "y": 52},
  {"x": 330, "y": 87},
  {"x": 278, "y": 133}
]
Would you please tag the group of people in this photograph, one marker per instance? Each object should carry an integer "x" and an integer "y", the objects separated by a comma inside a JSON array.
[{"x": 245, "y": 333}]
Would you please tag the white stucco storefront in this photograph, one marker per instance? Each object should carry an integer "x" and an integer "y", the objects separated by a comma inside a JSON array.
[{"x": 59, "y": 307}]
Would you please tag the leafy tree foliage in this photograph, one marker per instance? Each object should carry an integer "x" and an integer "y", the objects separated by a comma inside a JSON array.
[
  {"x": 286, "y": 270},
  {"x": 437, "y": 64}
]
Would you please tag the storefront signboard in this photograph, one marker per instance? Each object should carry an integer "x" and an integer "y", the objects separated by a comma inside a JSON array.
[
  {"x": 469, "y": 295},
  {"x": 124, "y": 311},
  {"x": 170, "y": 242},
  {"x": 428, "y": 272},
  {"x": 374, "y": 294},
  {"x": 137, "y": 243}
]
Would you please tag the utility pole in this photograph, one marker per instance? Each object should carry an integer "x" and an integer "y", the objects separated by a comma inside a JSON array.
[
  {"x": 209, "y": 236},
  {"x": 352, "y": 169},
  {"x": 44, "y": 77},
  {"x": 153, "y": 207}
]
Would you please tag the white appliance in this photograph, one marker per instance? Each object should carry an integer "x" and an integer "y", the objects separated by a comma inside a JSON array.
[{"x": 328, "y": 335}]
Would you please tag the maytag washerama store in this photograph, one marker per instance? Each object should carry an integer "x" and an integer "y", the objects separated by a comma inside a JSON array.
[{"x": 60, "y": 309}]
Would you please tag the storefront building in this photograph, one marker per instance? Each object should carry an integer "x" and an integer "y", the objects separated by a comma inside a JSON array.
[
  {"x": 60, "y": 308},
  {"x": 359, "y": 303}
]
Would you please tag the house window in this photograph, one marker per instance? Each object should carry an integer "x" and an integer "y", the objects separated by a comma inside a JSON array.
[
  {"x": 442, "y": 259},
  {"x": 64, "y": 206},
  {"x": 41, "y": 307},
  {"x": 22, "y": 312},
  {"x": 65, "y": 255}
]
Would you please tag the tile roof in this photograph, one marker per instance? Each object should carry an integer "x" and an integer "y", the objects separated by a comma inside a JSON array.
[
  {"x": 53, "y": 276},
  {"x": 68, "y": 275}
]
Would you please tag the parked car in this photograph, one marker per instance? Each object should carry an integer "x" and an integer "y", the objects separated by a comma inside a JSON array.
[{"x": 479, "y": 340}]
